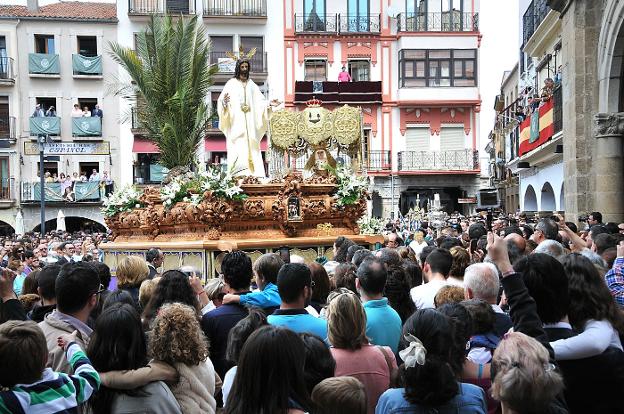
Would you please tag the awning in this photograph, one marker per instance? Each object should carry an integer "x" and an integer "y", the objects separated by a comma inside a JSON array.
[
  {"x": 143, "y": 146},
  {"x": 217, "y": 144}
]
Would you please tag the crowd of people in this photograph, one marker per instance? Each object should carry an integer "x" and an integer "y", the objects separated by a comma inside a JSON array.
[
  {"x": 75, "y": 113},
  {"x": 515, "y": 318}
]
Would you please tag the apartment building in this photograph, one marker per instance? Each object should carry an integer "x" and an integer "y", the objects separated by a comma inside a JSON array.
[
  {"x": 414, "y": 70},
  {"x": 538, "y": 161},
  {"x": 229, "y": 24},
  {"x": 53, "y": 57}
]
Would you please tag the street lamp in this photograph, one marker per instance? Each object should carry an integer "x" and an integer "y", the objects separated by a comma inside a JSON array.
[{"x": 41, "y": 140}]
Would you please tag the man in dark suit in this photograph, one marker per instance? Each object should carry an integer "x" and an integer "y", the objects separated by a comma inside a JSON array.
[
  {"x": 154, "y": 258},
  {"x": 65, "y": 252},
  {"x": 97, "y": 112},
  {"x": 481, "y": 282},
  {"x": 592, "y": 385}
]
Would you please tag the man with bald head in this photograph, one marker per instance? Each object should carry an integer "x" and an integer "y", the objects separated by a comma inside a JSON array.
[{"x": 518, "y": 240}]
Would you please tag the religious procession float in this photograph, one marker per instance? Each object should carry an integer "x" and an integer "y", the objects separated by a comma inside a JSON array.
[{"x": 196, "y": 216}]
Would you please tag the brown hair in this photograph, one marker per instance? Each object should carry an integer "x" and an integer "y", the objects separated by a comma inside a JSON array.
[
  {"x": 131, "y": 272},
  {"x": 461, "y": 260},
  {"x": 406, "y": 253},
  {"x": 448, "y": 294},
  {"x": 338, "y": 395},
  {"x": 525, "y": 380},
  {"x": 344, "y": 276},
  {"x": 23, "y": 353},
  {"x": 177, "y": 336},
  {"x": 346, "y": 322},
  {"x": 321, "y": 282}
]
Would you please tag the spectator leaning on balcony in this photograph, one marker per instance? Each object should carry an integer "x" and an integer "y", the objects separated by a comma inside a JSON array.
[
  {"x": 97, "y": 112},
  {"x": 38, "y": 111},
  {"x": 547, "y": 90},
  {"x": 51, "y": 112},
  {"x": 86, "y": 112},
  {"x": 76, "y": 112},
  {"x": 94, "y": 176},
  {"x": 344, "y": 75}
]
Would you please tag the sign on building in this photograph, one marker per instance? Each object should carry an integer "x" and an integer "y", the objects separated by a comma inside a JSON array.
[{"x": 68, "y": 148}]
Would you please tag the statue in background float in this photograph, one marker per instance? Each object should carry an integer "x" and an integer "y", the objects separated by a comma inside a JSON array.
[{"x": 244, "y": 118}]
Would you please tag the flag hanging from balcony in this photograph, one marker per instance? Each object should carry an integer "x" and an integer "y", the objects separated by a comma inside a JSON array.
[{"x": 538, "y": 128}]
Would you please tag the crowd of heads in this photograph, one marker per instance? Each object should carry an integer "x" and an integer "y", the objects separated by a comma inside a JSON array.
[{"x": 520, "y": 317}]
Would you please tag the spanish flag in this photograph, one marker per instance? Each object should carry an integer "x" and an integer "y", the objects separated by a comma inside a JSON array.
[{"x": 538, "y": 128}]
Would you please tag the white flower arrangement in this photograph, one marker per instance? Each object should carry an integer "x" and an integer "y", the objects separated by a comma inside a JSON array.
[
  {"x": 370, "y": 225},
  {"x": 351, "y": 187},
  {"x": 124, "y": 199}
]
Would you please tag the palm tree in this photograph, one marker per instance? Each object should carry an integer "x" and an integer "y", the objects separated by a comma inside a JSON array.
[{"x": 170, "y": 76}]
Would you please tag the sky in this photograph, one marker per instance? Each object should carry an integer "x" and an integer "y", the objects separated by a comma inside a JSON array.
[{"x": 499, "y": 23}]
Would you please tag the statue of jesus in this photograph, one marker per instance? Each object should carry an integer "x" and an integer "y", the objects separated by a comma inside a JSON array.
[{"x": 244, "y": 119}]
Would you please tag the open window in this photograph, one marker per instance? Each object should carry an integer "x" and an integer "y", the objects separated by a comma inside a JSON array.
[
  {"x": 44, "y": 44},
  {"x": 87, "y": 46},
  {"x": 88, "y": 102},
  {"x": 46, "y": 103},
  {"x": 49, "y": 166},
  {"x": 359, "y": 70}
]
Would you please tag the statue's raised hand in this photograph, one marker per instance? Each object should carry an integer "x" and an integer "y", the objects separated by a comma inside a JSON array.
[{"x": 226, "y": 99}]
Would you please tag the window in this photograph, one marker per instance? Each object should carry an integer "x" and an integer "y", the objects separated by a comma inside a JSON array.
[
  {"x": 4, "y": 59},
  {"x": 220, "y": 46},
  {"x": 46, "y": 103},
  {"x": 416, "y": 6},
  {"x": 87, "y": 46},
  {"x": 51, "y": 167},
  {"x": 87, "y": 168},
  {"x": 432, "y": 68},
  {"x": 44, "y": 44},
  {"x": 315, "y": 70},
  {"x": 249, "y": 43},
  {"x": 316, "y": 7},
  {"x": 5, "y": 179},
  {"x": 88, "y": 102},
  {"x": 359, "y": 70}
]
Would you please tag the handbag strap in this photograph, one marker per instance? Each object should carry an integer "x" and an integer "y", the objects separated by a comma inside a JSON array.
[{"x": 388, "y": 361}]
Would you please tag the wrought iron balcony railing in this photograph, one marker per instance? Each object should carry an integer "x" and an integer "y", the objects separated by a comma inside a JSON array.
[
  {"x": 533, "y": 17},
  {"x": 454, "y": 21},
  {"x": 228, "y": 65},
  {"x": 79, "y": 192},
  {"x": 378, "y": 161},
  {"x": 7, "y": 128},
  {"x": 360, "y": 23},
  {"x": 6, "y": 69},
  {"x": 161, "y": 6},
  {"x": 316, "y": 23},
  {"x": 456, "y": 160},
  {"x": 235, "y": 8}
]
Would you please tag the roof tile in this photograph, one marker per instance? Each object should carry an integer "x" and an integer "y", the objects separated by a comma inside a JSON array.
[{"x": 71, "y": 10}]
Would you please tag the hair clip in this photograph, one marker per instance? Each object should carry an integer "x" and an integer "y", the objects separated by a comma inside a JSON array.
[
  {"x": 415, "y": 353},
  {"x": 549, "y": 367}
]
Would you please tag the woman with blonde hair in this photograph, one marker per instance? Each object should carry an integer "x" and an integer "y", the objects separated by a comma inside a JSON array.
[
  {"x": 374, "y": 366},
  {"x": 131, "y": 272},
  {"x": 524, "y": 380}
]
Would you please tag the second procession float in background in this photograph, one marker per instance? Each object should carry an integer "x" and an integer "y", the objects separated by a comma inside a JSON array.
[{"x": 196, "y": 216}]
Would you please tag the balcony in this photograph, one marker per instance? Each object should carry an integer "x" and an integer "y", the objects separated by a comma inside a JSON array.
[
  {"x": 87, "y": 126},
  {"x": 83, "y": 192},
  {"x": 360, "y": 24},
  {"x": 533, "y": 17},
  {"x": 378, "y": 161},
  {"x": 87, "y": 66},
  {"x": 226, "y": 65},
  {"x": 455, "y": 160},
  {"x": 45, "y": 125},
  {"x": 7, "y": 75},
  {"x": 147, "y": 7},
  {"x": 247, "y": 9},
  {"x": 338, "y": 92},
  {"x": 315, "y": 23},
  {"x": 44, "y": 65},
  {"x": 558, "y": 109},
  {"x": 7, "y": 193},
  {"x": 7, "y": 128},
  {"x": 455, "y": 21}
]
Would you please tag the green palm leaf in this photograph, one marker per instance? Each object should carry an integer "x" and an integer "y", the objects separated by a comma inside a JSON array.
[{"x": 169, "y": 76}]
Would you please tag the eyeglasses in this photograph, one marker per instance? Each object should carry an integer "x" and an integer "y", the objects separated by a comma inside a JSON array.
[{"x": 102, "y": 289}]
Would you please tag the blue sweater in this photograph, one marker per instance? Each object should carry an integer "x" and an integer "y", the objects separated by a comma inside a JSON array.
[
  {"x": 383, "y": 324},
  {"x": 299, "y": 320},
  {"x": 267, "y": 298},
  {"x": 469, "y": 400}
]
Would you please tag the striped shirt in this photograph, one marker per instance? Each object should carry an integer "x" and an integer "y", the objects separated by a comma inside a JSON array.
[{"x": 56, "y": 392}]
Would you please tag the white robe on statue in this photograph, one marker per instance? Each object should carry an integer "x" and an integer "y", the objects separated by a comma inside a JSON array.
[{"x": 244, "y": 130}]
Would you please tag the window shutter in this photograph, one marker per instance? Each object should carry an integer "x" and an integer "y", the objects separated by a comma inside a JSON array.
[
  {"x": 452, "y": 139},
  {"x": 417, "y": 139}
]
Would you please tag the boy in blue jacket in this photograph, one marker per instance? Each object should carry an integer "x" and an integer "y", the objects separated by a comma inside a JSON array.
[{"x": 265, "y": 269}]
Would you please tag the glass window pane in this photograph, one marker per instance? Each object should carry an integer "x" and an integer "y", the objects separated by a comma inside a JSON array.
[
  {"x": 444, "y": 82},
  {"x": 470, "y": 72},
  {"x": 439, "y": 54},
  {"x": 414, "y": 54},
  {"x": 415, "y": 83},
  {"x": 458, "y": 68},
  {"x": 409, "y": 69},
  {"x": 465, "y": 82},
  {"x": 445, "y": 68},
  {"x": 433, "y": 69},
  {"x": 420, "y": 69},
  {"x": 463, "y": 54}
]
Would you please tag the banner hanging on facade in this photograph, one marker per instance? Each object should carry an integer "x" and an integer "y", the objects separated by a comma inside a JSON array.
[
  {"x": 538, "y": 128},
  {"x": 68, "y": 148},
  {"x": 44, "y": 63},
  {"x": 87, "y": 65}
]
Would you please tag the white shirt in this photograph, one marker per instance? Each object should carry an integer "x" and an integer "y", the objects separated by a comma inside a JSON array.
[
  {"x": 594, "y": 340},
  {"x": 228, "y": 381},
  {"x": 76, "y": 113},
  {"x": 423, "y": 295},
  {"x": 418, "y": 247}
]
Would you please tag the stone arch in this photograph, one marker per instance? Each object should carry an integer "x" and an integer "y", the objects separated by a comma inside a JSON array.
[
  {"x": 610, "y": 51},
  {"x": 562, "y": 199},
  {"x": 548, "y": 202},
  {"x": 6, "y": 229},
  {"x": 530, "y": 199},
  {"x": 75, "y": 223}
]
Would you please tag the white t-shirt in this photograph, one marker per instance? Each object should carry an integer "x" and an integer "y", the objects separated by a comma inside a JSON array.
[
  {"x": 418, "y": 247},
  {"x": 423, "y": 295},
  {"x": 228, "y": 381}
]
